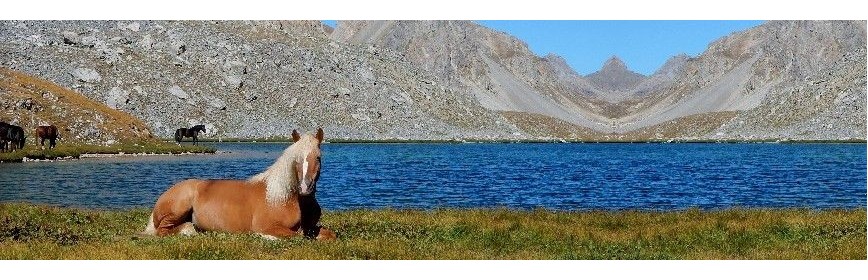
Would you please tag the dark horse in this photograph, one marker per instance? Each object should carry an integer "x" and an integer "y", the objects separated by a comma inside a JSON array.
[
  {"x": 11, "y": 134},
  {"x": 192, "y": 132},
  {"x": 49, "y": 132}
]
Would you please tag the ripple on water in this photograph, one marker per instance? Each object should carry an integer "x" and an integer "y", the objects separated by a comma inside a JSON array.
[{"x": 525, "y": 176}]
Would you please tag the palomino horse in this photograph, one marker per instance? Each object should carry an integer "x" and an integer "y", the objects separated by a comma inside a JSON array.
[
  {"x": 49, "y": 132},
  {"x": 280, "y": 202},
  {"x": 192, "y": 132}
]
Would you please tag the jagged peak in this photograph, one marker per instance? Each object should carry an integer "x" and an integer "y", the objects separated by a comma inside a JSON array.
[
  {"x": 615, "y": 76},
  {"x": 614, "y": 62}
]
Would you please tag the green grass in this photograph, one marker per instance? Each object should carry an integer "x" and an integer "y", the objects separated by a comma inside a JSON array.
[
  {"x": 40, "y": 232},
  {"x": 62, "y": 151}
]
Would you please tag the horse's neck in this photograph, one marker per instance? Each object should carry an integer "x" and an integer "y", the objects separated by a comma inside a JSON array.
[{"x": 279, "y": 178}]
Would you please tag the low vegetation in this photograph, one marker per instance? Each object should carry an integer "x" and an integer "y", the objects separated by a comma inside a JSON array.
[
  {"x": 29, "y": 101},
  {"x": 73, "y": 151},
  {"x": 41, "y": 232}
]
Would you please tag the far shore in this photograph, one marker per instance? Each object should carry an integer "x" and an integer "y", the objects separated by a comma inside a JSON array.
[{"x": 77, "y": 151}]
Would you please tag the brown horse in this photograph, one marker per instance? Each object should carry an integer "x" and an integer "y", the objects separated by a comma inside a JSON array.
[
  {"x": 280, "y": 202},
  {"x": 49, "y": 132}
]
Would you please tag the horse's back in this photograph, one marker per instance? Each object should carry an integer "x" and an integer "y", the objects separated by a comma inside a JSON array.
[
  {"x": 46, "y": 131},
  {"x": 228, "y": 205}
]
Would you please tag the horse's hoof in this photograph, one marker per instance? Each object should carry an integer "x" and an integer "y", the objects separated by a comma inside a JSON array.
[{"x": 326, "y": 235}]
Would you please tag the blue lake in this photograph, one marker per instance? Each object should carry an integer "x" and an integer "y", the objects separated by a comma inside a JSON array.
[{"x": 522, "y": 176}]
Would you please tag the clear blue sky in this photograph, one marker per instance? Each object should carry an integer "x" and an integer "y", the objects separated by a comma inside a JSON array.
[{"x": 643, "y": 45}]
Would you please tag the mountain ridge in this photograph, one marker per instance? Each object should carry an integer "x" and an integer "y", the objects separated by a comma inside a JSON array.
[{"x": 442, "y": 80}]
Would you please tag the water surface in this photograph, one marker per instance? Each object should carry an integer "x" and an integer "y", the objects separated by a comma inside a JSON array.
[{"x": 523, "y": 176}]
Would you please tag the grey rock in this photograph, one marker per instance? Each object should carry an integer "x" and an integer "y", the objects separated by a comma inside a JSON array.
[
  {"x": 146, "y": 43},
  {"x": 117, "y": 98},
  {"x": 87, "y": 75},
  {"x": 134, "y": 27},
  {"x": 215, "y": 102},
  {"x": 178, "y": 92},
  {"x": 70, "y": 38},
  {"x": 233, "y": 73}
]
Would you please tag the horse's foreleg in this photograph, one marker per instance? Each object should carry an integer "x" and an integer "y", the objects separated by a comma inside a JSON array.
[
  {"x": 277, "y": 232},
  {"x": 171, "y": 223},
  {"x": 187, "y": 229},
  {"x": 326, "y": 234},
  {"x": 319, "y": 233}
]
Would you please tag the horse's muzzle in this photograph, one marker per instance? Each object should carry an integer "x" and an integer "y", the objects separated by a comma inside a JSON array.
[{"x": 306, "y": 189}]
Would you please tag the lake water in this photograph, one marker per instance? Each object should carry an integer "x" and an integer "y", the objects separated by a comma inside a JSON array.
[{"x": 523, "y": 176}]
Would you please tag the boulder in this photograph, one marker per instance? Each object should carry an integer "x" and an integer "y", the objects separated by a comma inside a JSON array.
[
  {"x": 178, "y": 92},
  {"x": 117, "y": 97},
  {"x": 87, "y": 75}
]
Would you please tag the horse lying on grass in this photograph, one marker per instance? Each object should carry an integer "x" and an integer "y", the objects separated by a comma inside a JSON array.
[{"x": 280, "y": 202}]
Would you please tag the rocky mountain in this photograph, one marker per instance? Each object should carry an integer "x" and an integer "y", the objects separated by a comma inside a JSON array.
[
  {"x": 614, "y": 77},
  {"x": 446, "y": 80},
  {"x": 496, "y": 69},
  {"x": 763, "y": 75},
  {"x": 246, "y": 79}
]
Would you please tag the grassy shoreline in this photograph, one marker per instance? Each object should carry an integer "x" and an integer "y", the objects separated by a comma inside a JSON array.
[
  {"x": 74, "y": 151},
  {"x": 42, "y": 232}
]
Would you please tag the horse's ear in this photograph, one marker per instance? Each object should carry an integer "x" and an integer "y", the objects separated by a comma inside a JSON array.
[
  {"x": 319, "y": 134},
  {"x": 295, "y": 136}
]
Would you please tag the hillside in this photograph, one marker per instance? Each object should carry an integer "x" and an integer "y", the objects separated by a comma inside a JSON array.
[
  {"x": 29, "y": 102},
  {"x": 446, "y": 79}
]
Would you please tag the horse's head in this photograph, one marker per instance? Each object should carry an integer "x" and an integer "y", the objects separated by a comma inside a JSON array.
[
  {"x": 200, "y": 127},
  {"x": 307, "y": 163}
]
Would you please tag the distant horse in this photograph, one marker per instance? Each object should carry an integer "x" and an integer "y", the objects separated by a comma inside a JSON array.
[
  {"x": 280, "y": 202},
  {"x": 4, "y": 128},
  {"x": 13, "y": 135},
  {"x": 49, "y": 132},
  {"x": 192, "y": 132}
]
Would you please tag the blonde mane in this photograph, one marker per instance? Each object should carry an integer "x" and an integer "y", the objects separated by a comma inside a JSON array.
[{"x": 280, "y": 180}]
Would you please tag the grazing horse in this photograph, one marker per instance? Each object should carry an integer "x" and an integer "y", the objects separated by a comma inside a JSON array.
[
  {"x": 4, "y": 127},
  {"x": 192, "y": 132},
  {"x": 280, "y": 202},
  {"x": 49, "y": 132},
  {"x": 13, "y": 135}
]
